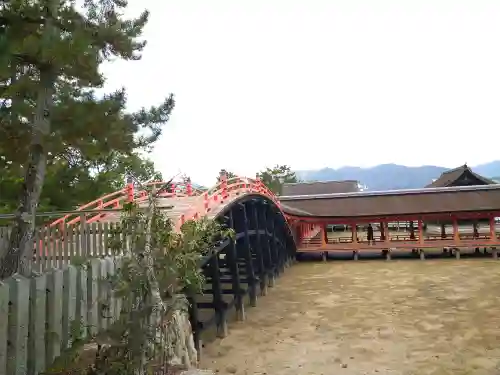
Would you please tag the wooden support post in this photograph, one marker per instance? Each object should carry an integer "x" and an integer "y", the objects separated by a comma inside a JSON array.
[
  {"x": 420, "y": 232},
  {"x": 412, "y": 231},
  {"x": 219, "y": 304},
  {"x": 457, "y": 253},
  {"x": 324, "y": 256},
  {"x": 289, "y": 252},
  {"x": 280, "y": 256},
  {"x": 232, "y": 260},
  {"x": 456, "y": 234},
  {"x": 283, "y": 253},
  {"x": 355, "y": 254},
  {"x": 252, "y": 280},
  {"x": 475, "y": 229},
  {"x": 493, "y": 235},
  {"x": 494, "y": 253},
  {"x": 354, "y": 232},
  {"x": 259, "y": 252},
  {"x": 272, "y": 262},
  {"x": 443, "y": 230},
  {"x": 422, "y": 254},
  {"x": 382, "y": 231},
  {"x": 324, "y": 235},
  {"x": 387, "y": 235}
]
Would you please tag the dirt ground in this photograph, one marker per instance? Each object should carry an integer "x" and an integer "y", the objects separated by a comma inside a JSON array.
[{"x": 376, "y": 317}]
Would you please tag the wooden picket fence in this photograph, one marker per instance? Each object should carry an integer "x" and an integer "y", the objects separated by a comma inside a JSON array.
[
  {"x": 38, "y": 315},
  {"x": 54, "y": 247}
]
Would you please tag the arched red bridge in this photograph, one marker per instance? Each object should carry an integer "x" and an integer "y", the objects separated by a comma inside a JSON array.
[
  {"x": 432, "y": 218},
  {"x": 271, "y": 230}
]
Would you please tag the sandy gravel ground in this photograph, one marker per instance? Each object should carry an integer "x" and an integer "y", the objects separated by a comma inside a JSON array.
[{"x": 400, "y": 317}]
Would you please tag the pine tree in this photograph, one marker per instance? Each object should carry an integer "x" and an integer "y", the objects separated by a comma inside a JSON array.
[
  {"x": 51, "y": 118},
  {"x": 275, "y": 177}
]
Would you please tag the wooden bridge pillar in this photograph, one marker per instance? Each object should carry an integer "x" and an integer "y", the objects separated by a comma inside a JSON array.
[
  {"x": 235, "y": 275},
  {"x": 279, "y": 255},
  {"x": 259, "y": 252},
  {"x": 251, "y": 278},
  {"x": 269, "y": 257},
  {"x": 219, "y": 304}
]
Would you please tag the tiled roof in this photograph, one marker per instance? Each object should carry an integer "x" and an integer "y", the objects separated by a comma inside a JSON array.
[
  {"x": 397, "y": 202},
  {"x": 449, "y": 177},
  {"x": 320, "y": 187}
]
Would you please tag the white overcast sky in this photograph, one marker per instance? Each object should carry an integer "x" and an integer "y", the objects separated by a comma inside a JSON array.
[{"x": 316, "y": 83}]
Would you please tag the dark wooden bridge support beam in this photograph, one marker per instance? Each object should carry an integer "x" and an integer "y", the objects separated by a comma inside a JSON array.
[
  {"x": 232, "y": 260},
  {"x": 219, "y": 305},
  {"x": 261, "y": 262},
  {"x": 279, "y": 256},
  {"x": 271, "y": 261},
  {"x": 262, "y": 245},
  {"x": 289, "y": 248},
  {"x": 251, "y": 278}
]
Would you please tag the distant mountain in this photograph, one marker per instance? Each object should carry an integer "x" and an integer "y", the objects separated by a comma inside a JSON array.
[
  {"x": 392, "y": 176},
  {"x": 489, "y": 170}
]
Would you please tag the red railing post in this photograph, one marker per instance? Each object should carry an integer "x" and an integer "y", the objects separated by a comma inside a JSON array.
[
  {"x": 130, "y": 189},
  {"x": 257, "y": 183},
  {"x": 223, "y": 184},
  {"x": 205, "y": 201},
  {"x": 189, "y": 189}
]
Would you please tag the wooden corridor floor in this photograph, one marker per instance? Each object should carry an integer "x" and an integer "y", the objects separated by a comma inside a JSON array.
[{"x": 436, "y": 317}]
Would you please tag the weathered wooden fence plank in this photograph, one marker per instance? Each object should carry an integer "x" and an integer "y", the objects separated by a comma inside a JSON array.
[
  {"x": 93, "y": 275},
  {"x": 98, "y": 249},
  {"x": 37, "y": 329},
  {"x": 103, "y": 316},
  {"x": 81, "y": 300},
  {"x": 4, "y": 312},
  {"x": 118, "y": 300},
  {"x": 17, "y": 352},
  {"x": 69, "y": 307},
  {"x": 110, "y": 268},
  {"x": 54, "y": 315}
]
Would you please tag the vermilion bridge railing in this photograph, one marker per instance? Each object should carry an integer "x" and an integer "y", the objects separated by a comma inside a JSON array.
[
  {"x": 201, "y": 202},
  {"x": 57, "y": 239},
  {"x": 197, "y": 203}
]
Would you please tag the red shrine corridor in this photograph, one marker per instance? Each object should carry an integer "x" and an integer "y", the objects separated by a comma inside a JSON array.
[{"x": 402, "y": 317}]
